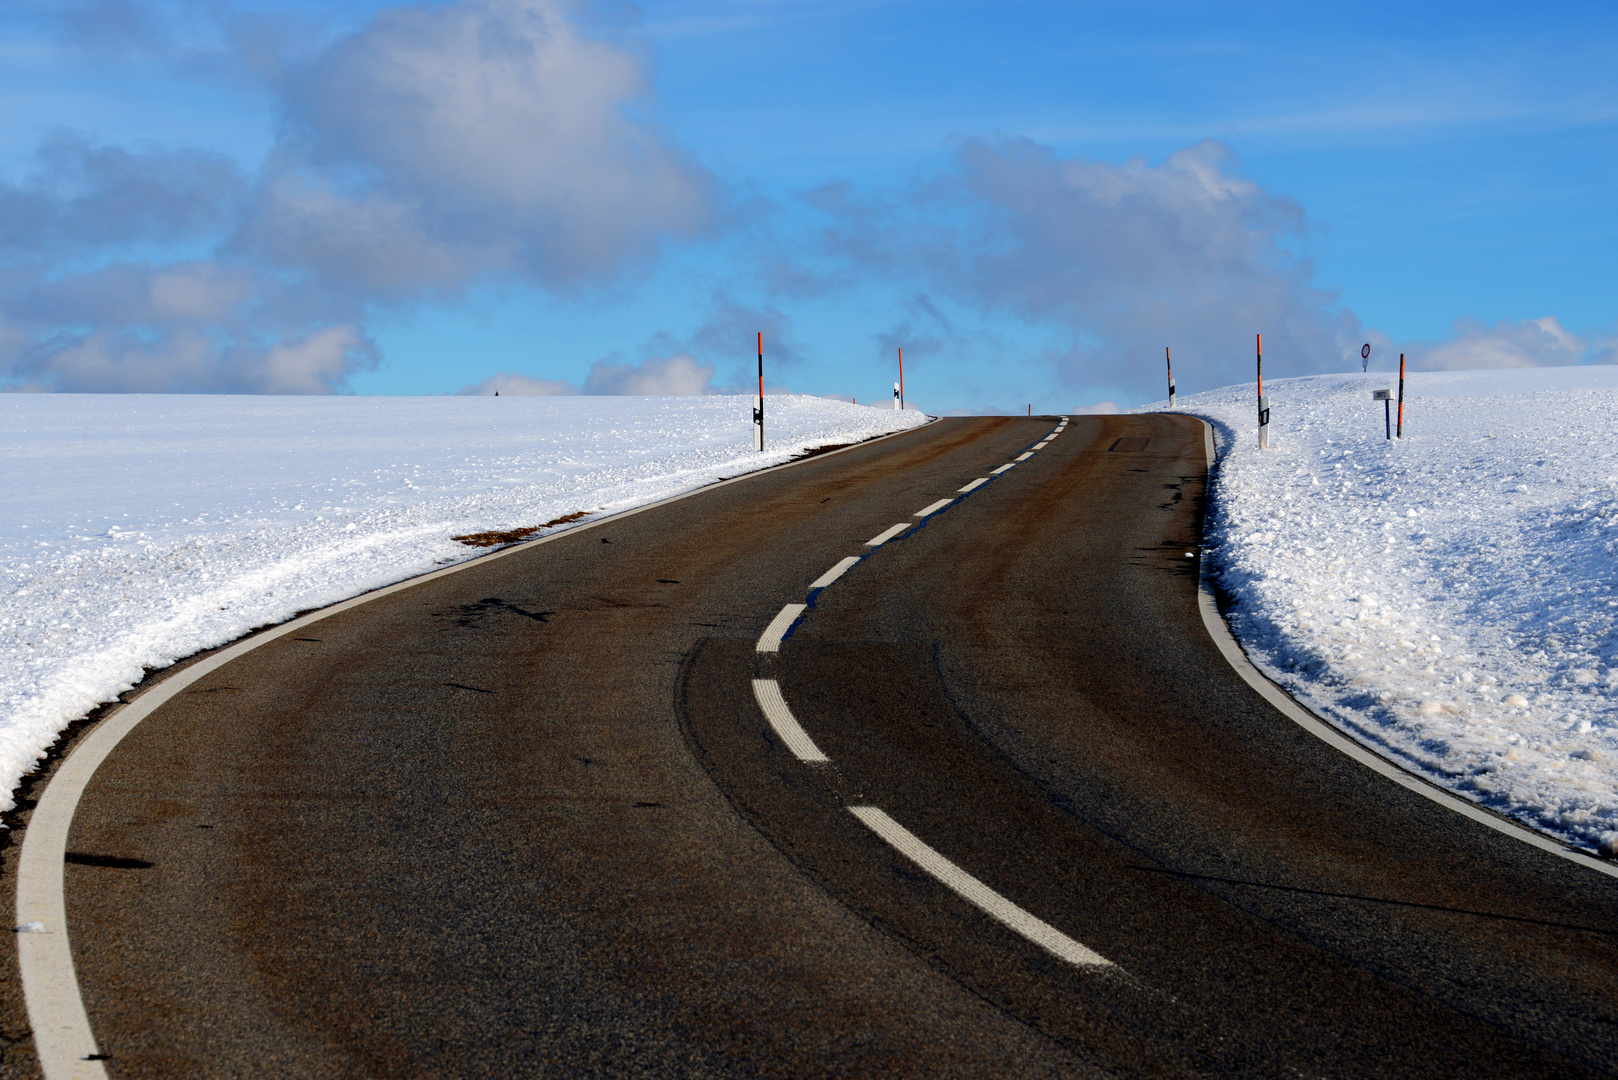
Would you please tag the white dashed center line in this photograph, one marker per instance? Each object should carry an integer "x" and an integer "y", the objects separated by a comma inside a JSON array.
[
  {"x": 1003, "y": 468},
  {"x": 768, "y": 693},
  {"x": 834, "y": 573},
  {"x": 934, "y": 508},
  {"x": 974, "y": 485},
  {"x": 889, "y": 534},
  {"x": 1025, "y": 457},
  {"x": 973, "y": 891},
  {"x": 1042, "y": 445},
  {"x": 770, "y": 640}
]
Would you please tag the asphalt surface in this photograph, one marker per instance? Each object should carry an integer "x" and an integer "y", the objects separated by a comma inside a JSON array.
[{"x": 529, "y": 820}]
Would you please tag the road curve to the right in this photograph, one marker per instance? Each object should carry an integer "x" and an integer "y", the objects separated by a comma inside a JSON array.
[{"x": 1025, "y": 688}]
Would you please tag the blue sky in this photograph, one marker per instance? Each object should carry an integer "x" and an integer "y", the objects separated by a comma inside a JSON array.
[{"x": 1032, "y": 198}]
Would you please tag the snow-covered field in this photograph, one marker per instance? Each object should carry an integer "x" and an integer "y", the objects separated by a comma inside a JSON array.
[
  {"x": 1450, "y": 599},
  {"x": 140, "y": 529}
]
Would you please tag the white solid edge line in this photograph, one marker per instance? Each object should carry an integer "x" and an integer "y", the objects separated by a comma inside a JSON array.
[
  {"x": 834, "y": 573},
  {"x": 887, "y": 534},
  {"x": 974, "y": 485},
  {"x": 1003, "y": 468},
  {"x": 976, "y": 893},
  {"x": 1025, "y": 457},
  {"x": 56, "y": 1015},
  {"x": 770, "y": 640},
  {"x": 934, "y": 508},
  {"x": 768, "y": 693},
  {"x": 1294, "y": 711}
]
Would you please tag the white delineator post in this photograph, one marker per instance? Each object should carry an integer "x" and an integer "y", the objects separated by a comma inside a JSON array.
[
  {"x": 1170, "y": 365},
  {"x": 758, "y": 403},
  {"x": 1263, "y": 402}
]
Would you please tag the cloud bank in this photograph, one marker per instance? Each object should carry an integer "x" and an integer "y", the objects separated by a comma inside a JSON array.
[
  {"x": 1511, "y": 343},
  {"x": 436, "y": 148},
  {"x": 1126, "y": 258}
]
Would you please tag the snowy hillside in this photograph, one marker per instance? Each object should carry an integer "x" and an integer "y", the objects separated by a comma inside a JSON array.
[
  {"x": 140, "y": 529},
  {"x": 1450, "y": 599}
]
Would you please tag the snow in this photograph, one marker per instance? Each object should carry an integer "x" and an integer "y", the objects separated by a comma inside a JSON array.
[
  {"x": 1449, "y": 599},
  {"x": 141, "y": 529}
]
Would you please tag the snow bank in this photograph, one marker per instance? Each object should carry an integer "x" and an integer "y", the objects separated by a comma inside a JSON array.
[
  {"x": 140, "y": 529},
  {"x": 1450, "y": 599}
]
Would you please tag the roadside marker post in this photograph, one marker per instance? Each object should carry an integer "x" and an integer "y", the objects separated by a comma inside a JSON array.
[
  {"x": 895, "y": 397},
  {"x": 1170, "y": 365},
  {"x": 901, "y": 378},
  {"x": 1263, "y": 402},
  {"x": 1400, "y": 430},
  {"x": 758, "y": 405},
  {"x": 1383, "y": 396}
]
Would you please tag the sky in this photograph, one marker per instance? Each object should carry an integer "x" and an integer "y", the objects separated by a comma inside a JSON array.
[{"x": 1032, "y": 200}]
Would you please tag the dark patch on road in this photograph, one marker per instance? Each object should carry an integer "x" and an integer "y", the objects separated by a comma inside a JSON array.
[{"x": 113, "y": 862}]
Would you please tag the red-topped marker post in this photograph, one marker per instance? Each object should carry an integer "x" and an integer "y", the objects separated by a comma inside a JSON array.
[
  {"x": 1399, "y": 429},
  {"x": 1263, "y": 402},
  {"x": 901, "y": 378},
  {"x": 758, "y": 404}
]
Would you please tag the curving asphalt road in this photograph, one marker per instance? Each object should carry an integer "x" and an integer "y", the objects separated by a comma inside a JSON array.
[{"x": 530, "y": 819}]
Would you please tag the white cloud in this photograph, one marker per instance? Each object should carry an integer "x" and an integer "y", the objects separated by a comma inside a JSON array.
[
  {"x": 1509, "y": 344},
  {"x": 437, "y": 146},
  {"x": 677, "y": 375},
  {"x": 185, "y": 359},
  {"x": 512, "y": 384},
  {"x": 1127, "y": 258},
  {"x": 489, "y": 136}
]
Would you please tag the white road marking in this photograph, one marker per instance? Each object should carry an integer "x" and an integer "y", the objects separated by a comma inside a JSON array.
[
  {"x": 1025, "y": 457},
  {"x": 768, "y": 693},
  {"x": 934, "y": 508},
  {"x": 1003, "y": 468},
  {"x": 974, "y": 485},
  {"x": 1054, "y": 433},
  {"x": 1042, "y": 445},
  {"x": 973, "y": 891},
  {"x": 889, "y": 534},
  {"x": 834, "y": 573},
  {"x": 770, "y": 640}
]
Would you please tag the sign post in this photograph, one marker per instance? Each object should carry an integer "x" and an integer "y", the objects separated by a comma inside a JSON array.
[
  {"x": 1383, "y": 396},
  {"x": 1365, "y": 357},
  {"x": 1263, "y": 402},
  {"x": 758, "y": 403},
  {"x": 1170, "y": 365}
]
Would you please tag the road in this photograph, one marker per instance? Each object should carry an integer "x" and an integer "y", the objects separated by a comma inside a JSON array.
[{"x": 530, "y": 819}]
